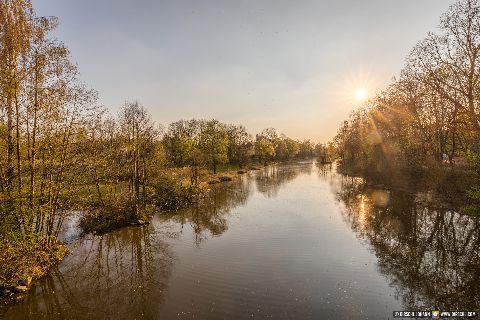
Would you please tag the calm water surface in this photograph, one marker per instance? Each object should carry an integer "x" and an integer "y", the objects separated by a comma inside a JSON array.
[{"x": 292, "y": 242}]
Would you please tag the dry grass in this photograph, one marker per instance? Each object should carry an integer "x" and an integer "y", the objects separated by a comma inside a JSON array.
[{"x": 23, "y": 261}]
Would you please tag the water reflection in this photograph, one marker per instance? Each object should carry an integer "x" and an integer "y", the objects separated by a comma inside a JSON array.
[
  {"x": 119, "y": 275},
  {"x": 270, "y": 180},
  {"x": 431, "y": 256},
  {"x": 324, "y": 169},
  {"x": 209, "y": 217}
]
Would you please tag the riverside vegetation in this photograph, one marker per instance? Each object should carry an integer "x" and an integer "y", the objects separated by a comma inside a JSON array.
[
  {"x": 423, "y": 130},
  {"x": 61, "y": 151}
]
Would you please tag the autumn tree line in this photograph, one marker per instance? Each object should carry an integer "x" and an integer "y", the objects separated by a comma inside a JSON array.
[
  {"x": 430, "y": 116},
  {"x": 212, "y": 143}
]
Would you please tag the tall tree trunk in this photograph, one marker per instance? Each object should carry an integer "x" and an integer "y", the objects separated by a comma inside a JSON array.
[
  {"x": 33, "y": 150},
  {"x": 10, "y": 145},
  {"x": 17, "y": 140}
]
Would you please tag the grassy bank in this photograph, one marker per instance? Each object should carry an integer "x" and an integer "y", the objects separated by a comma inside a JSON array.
[
  {"x": 173, "y": 190},
  {"x": 22, "y": 261}
]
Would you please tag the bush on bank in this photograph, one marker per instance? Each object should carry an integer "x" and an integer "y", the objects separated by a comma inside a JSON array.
[{"x": 25, "y": 259}]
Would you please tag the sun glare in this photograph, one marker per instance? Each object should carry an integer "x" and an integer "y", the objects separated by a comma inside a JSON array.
[{"x": 361, "y": 95}]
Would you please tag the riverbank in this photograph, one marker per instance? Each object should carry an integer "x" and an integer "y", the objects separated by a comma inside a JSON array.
[
  {"x": 442, "y": 186},
  {"x": 175, "y": 189},
  {"x": 22, "y": 262}
]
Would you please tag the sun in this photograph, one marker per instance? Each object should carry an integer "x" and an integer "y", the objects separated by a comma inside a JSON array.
[{"x": 361, "y": 95}]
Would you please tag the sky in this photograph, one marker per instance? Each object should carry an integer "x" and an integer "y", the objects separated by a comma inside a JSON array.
[{"x": 296, "y": 66}]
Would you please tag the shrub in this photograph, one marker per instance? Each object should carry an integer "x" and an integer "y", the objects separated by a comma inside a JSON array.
[
  {"x": 111, "y": 215},
  {"x": 171, "y": 194}
]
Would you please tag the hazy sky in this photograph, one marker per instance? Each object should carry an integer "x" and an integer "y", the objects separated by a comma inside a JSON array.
[{"x": 292, "y": 65}]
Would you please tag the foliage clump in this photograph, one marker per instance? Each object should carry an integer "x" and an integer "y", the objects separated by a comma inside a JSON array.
[
  {"x": 25, "y": 259},
  {"x": 170, "y": 195}
]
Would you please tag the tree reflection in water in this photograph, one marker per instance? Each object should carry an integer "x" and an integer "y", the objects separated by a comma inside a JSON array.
[
  {"x": 270, "y": 180},
  {"x": 209, "y": 216},
  {"x": 125, "y": 272},
  {"x": 431, "y": 256}
]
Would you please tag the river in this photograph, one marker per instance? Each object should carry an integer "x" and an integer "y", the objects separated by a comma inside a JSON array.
[{"x": 296, "y": 241}]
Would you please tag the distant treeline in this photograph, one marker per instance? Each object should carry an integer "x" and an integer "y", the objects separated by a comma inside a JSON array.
[
  {"x": 211, "y": 143},
  {"x": 429, "y": 117}
]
